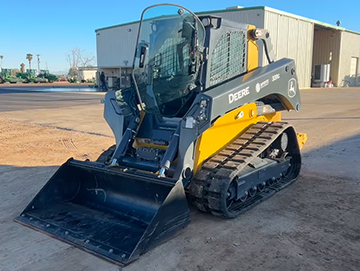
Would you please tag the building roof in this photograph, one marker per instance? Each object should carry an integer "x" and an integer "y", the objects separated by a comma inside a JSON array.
[
  {"x": 326, "y": 25},
  {"x": 284, "y": 13}
]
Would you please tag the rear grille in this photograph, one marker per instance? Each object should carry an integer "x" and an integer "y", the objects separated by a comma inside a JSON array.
[{"x": 229, "y": 57}]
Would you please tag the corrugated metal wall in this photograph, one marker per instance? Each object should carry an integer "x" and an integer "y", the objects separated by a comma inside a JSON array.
[
  {"x": 115, "y": 45},
  {"x": 246, "y": 16},
  {"x": 350, "y": 47},
  {"x": 326, "y": 42},
  {"x": 292, "y": 38}
]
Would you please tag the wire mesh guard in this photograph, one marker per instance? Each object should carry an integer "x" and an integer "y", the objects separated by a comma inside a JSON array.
[
  {"x": 174, "y": 57},
  {"x": 229, "y": 57}
]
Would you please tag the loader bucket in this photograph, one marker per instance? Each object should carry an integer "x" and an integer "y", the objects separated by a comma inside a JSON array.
[{"x": 112, "y": 214}]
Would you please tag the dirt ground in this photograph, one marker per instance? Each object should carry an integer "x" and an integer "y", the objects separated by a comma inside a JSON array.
[{"x": 314, "y": 224}]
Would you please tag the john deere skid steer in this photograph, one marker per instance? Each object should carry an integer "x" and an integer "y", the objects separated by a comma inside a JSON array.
[{"x": 201, "y": 123}]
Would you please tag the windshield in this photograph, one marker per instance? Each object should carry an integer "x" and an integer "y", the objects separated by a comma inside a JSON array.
[{"x": 164, "y": 70}]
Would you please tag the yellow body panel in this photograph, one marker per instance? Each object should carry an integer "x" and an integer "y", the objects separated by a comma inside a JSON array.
[
  {"x": 226, "y": 129},
  {"x": 229, "y": 126},
  {"x": 144, "y": 142},
  {"x": 253, "y": 51},
  {"x": 302, "y": 138}
]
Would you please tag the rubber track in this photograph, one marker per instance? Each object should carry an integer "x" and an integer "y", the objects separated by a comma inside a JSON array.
[{"x": 207, "y": 186}]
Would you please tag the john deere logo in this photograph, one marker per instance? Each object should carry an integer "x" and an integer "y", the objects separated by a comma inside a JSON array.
[{"x": 292, "y": 88}]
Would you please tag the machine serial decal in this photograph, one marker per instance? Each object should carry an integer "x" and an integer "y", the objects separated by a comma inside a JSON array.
[
  {"x": 261, "y": 85},
  {"x": 291, "y": 88},
  {"x": 238, "y": 95},
  {"x": 275, "y": 77}
]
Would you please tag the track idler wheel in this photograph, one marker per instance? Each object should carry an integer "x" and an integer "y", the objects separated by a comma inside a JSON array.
[
  {"x": 244, "y": 197},
  {"x": 261, "y": 186},
  {"x": 229, "y": 202},
  {"x": 271, "y": 181},
  {"x": 231, "y": 194},
  {"x": 252, "y": 191}
]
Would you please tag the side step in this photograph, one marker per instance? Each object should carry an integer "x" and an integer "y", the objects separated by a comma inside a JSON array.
[{"x": 112, "y": 214}]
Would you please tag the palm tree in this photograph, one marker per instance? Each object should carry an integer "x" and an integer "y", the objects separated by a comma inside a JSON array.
[
  {"x": 22, "y": 67},
  {"x": 29, "y": 57}
]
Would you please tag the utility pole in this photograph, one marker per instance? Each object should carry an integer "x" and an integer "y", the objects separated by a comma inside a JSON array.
[
  {"x": 38, "y": 59},
  {"x": 1, "y": 58}
]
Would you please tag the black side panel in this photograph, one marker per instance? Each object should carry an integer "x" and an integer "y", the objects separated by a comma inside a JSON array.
[{"x": 278, "y": 79}]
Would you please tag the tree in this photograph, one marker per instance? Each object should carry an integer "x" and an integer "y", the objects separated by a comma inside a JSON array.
[
  {"x": 22, "y": 67},
  {"x": 29, "y": 57},
  {"x": 73, "y": 72},
  {"x": 78, "y": 58},
  {"x": 14, "y": 72}
]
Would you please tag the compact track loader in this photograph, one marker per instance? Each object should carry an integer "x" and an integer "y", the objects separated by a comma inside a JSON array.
[{"x": 201, "y": 123}]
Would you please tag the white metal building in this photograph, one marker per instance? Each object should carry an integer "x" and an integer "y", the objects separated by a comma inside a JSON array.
[
  {"x": 86, "y": 73},
  {"x": 307, "y": 41}
]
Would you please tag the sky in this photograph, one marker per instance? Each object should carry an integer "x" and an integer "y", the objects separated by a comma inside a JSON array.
[{"x": 53, "y": 28}]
